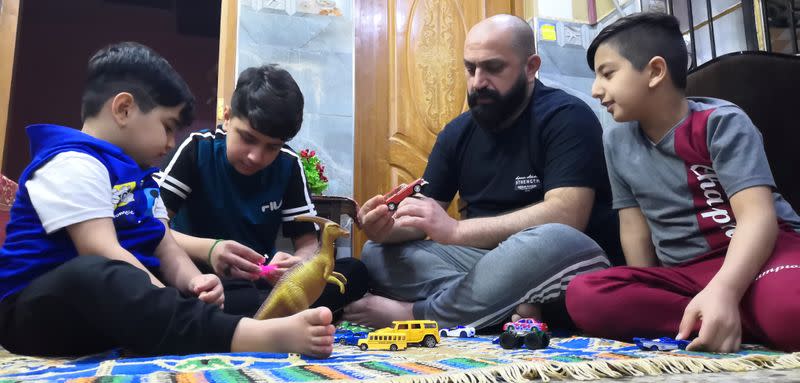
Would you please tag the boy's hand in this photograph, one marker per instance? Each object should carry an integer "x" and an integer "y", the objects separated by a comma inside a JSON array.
[
  {"x": 375, "y": 218},
  {"x": 720, "y": 324},
  {"x": 233, "y": 259},
  {"x": 208, "y": 288},
  {"x": 284, "y": 262}
]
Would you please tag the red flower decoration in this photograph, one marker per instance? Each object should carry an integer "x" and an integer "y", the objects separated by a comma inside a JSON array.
[{"x": 314, "y": 171}]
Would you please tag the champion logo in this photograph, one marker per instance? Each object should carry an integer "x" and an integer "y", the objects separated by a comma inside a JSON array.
[
  {"x": 776, "y": 269},
  {"x": 709, "y": 183},
  {"x": 271, "y": 206}
]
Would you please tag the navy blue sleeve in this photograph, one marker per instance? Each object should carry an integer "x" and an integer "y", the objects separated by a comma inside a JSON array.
[
  {"x": 441, "y": 172},
  {"x": 572, "y": 141},
  {"x": 179, "y": 174}
]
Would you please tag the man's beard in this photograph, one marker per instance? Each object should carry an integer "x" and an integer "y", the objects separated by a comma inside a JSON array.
[{"x": 494, "y": 116}]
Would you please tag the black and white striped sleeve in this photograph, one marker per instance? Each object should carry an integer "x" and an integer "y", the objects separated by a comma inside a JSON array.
[
  {"x": 297, "y": 200},
  {"x": 178, "y": 174}
]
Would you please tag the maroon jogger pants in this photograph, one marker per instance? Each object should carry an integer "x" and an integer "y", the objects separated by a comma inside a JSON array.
[{"x": 626, "y": 302}]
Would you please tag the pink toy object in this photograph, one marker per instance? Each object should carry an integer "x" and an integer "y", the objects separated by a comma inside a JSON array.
[
  {"x": 394, "y": 199},
  {"x": 266, "y": 270},
  {"x": 525, "y": 324}
]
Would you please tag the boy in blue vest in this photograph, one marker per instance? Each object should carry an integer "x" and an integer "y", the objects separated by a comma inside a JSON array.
[{"x": 89, "y": 262}]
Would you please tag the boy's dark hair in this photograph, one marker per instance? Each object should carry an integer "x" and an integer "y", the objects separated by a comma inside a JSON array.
[
  {"x": 269, "y": 99},
  {"x": 640, "y": 37},
  {"x": 136, "y": 69}
]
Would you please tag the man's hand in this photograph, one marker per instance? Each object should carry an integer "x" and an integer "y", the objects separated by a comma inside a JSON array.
[
  {"x": 208, "y": 288},
  {"x": 375, "y": 218},
  {"x": 232, "y": 259},
  {"x": 720, "y": 324},
  {"x": 427, "y": 215},
  {"x": 283, "y": 262}
]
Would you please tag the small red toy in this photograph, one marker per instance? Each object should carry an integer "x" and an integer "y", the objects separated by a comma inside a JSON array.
[
  {"x": 525, "y": 324},
  {"x": 392, "y": 200}
]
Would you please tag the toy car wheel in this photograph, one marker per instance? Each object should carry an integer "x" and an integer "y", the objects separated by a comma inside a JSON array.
[
  {"x": 533, "y": 341},
  {"x": 429, "y": 341},
  {"x": 417, "y": 188},
  {"x": 363, "y": 347},
  {"x": 545, "y": 340},
  {"x": 392, "y": 206},
  {"x": 462, "y": 334},
  {"x": 511, "y": 328},
  {"x": 509, "y": 340},
  {"x": 393, "y": 347},
  {"x": 654, "y": 348},
  {"x": 443, "y": 334},
  {"x": 343, "y": 342}
]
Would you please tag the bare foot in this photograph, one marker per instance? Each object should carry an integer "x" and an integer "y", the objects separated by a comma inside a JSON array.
[
  {"x": 527, "y": 310},
  {"x": 377, "y": 311},
  {"x": 308, "y": 332}
]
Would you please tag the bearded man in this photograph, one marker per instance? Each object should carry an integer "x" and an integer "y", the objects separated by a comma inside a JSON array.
[{"x": 527, "y": 162}]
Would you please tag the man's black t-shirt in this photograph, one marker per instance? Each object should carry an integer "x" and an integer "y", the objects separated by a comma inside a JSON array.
[{"x": 556, "y": 142}]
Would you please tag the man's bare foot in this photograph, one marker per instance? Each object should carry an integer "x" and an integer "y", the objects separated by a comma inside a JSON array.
[
  {"x": 308, "y": 332},
  {"x": 527, "y": 310},
  {"x": 377, "y": 311}
]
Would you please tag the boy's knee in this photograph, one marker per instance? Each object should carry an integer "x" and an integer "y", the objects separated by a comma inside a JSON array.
[
  {"x": 580, "y": 291},
  {"x": 585, "y": 301},
  {"x": 357, "y": 276},
  {"x": 350, "y": 266},
  {"x": 779, "y": 334},
  {"x": 83, "y": 266},
  {"x": 89, "y": 271}
]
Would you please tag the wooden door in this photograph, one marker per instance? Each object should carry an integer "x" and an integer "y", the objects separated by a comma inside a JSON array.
[
  {"x": 9, "y": 19},
  {"x": 409, "y": 83},
  {"x": 226, "y": 74}
]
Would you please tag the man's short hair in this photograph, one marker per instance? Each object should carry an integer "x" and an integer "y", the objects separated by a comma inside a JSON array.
[
  {"x": 136, "y": 69},
  {"x": 640, "y": 37},
  {"x": 269, "y": 99}
]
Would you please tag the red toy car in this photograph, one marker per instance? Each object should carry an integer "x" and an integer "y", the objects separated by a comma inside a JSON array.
[
  {"x": 525, "y": 324},
  {"x": 392, "y": 200}
]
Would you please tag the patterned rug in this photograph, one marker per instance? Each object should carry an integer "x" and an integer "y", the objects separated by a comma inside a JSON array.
[{"x": 453, "y": 360}]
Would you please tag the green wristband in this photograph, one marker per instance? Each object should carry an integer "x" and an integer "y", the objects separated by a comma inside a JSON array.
[{"x": 212, "y": 249}]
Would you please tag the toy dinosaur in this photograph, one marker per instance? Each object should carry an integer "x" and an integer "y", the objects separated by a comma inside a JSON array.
[{"x": 301, "y": 285}]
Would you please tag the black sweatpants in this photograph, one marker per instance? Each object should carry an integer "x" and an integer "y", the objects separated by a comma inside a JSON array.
[
  {"x": 243, "y": 297},
  {"x": 91, "y": 304}
]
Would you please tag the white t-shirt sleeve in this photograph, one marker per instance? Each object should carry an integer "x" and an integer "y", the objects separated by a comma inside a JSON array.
[
  {"x": 159, "y": 210},
  {"x": 72, "y": 187}
]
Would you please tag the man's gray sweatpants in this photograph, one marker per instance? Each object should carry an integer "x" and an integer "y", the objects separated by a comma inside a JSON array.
[{"x": 460, "y": 285}]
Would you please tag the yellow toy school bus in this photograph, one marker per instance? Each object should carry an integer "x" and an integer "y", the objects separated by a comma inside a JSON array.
[
  {"x": 422, "y": 332},
  {"x": 383, "y": 339}
]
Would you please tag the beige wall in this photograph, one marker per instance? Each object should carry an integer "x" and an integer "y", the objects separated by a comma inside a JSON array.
[{"x": 580, "y": 10}]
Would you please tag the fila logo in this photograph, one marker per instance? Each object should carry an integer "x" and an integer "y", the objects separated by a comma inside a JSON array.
[{"x": 272, "y": 206}]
